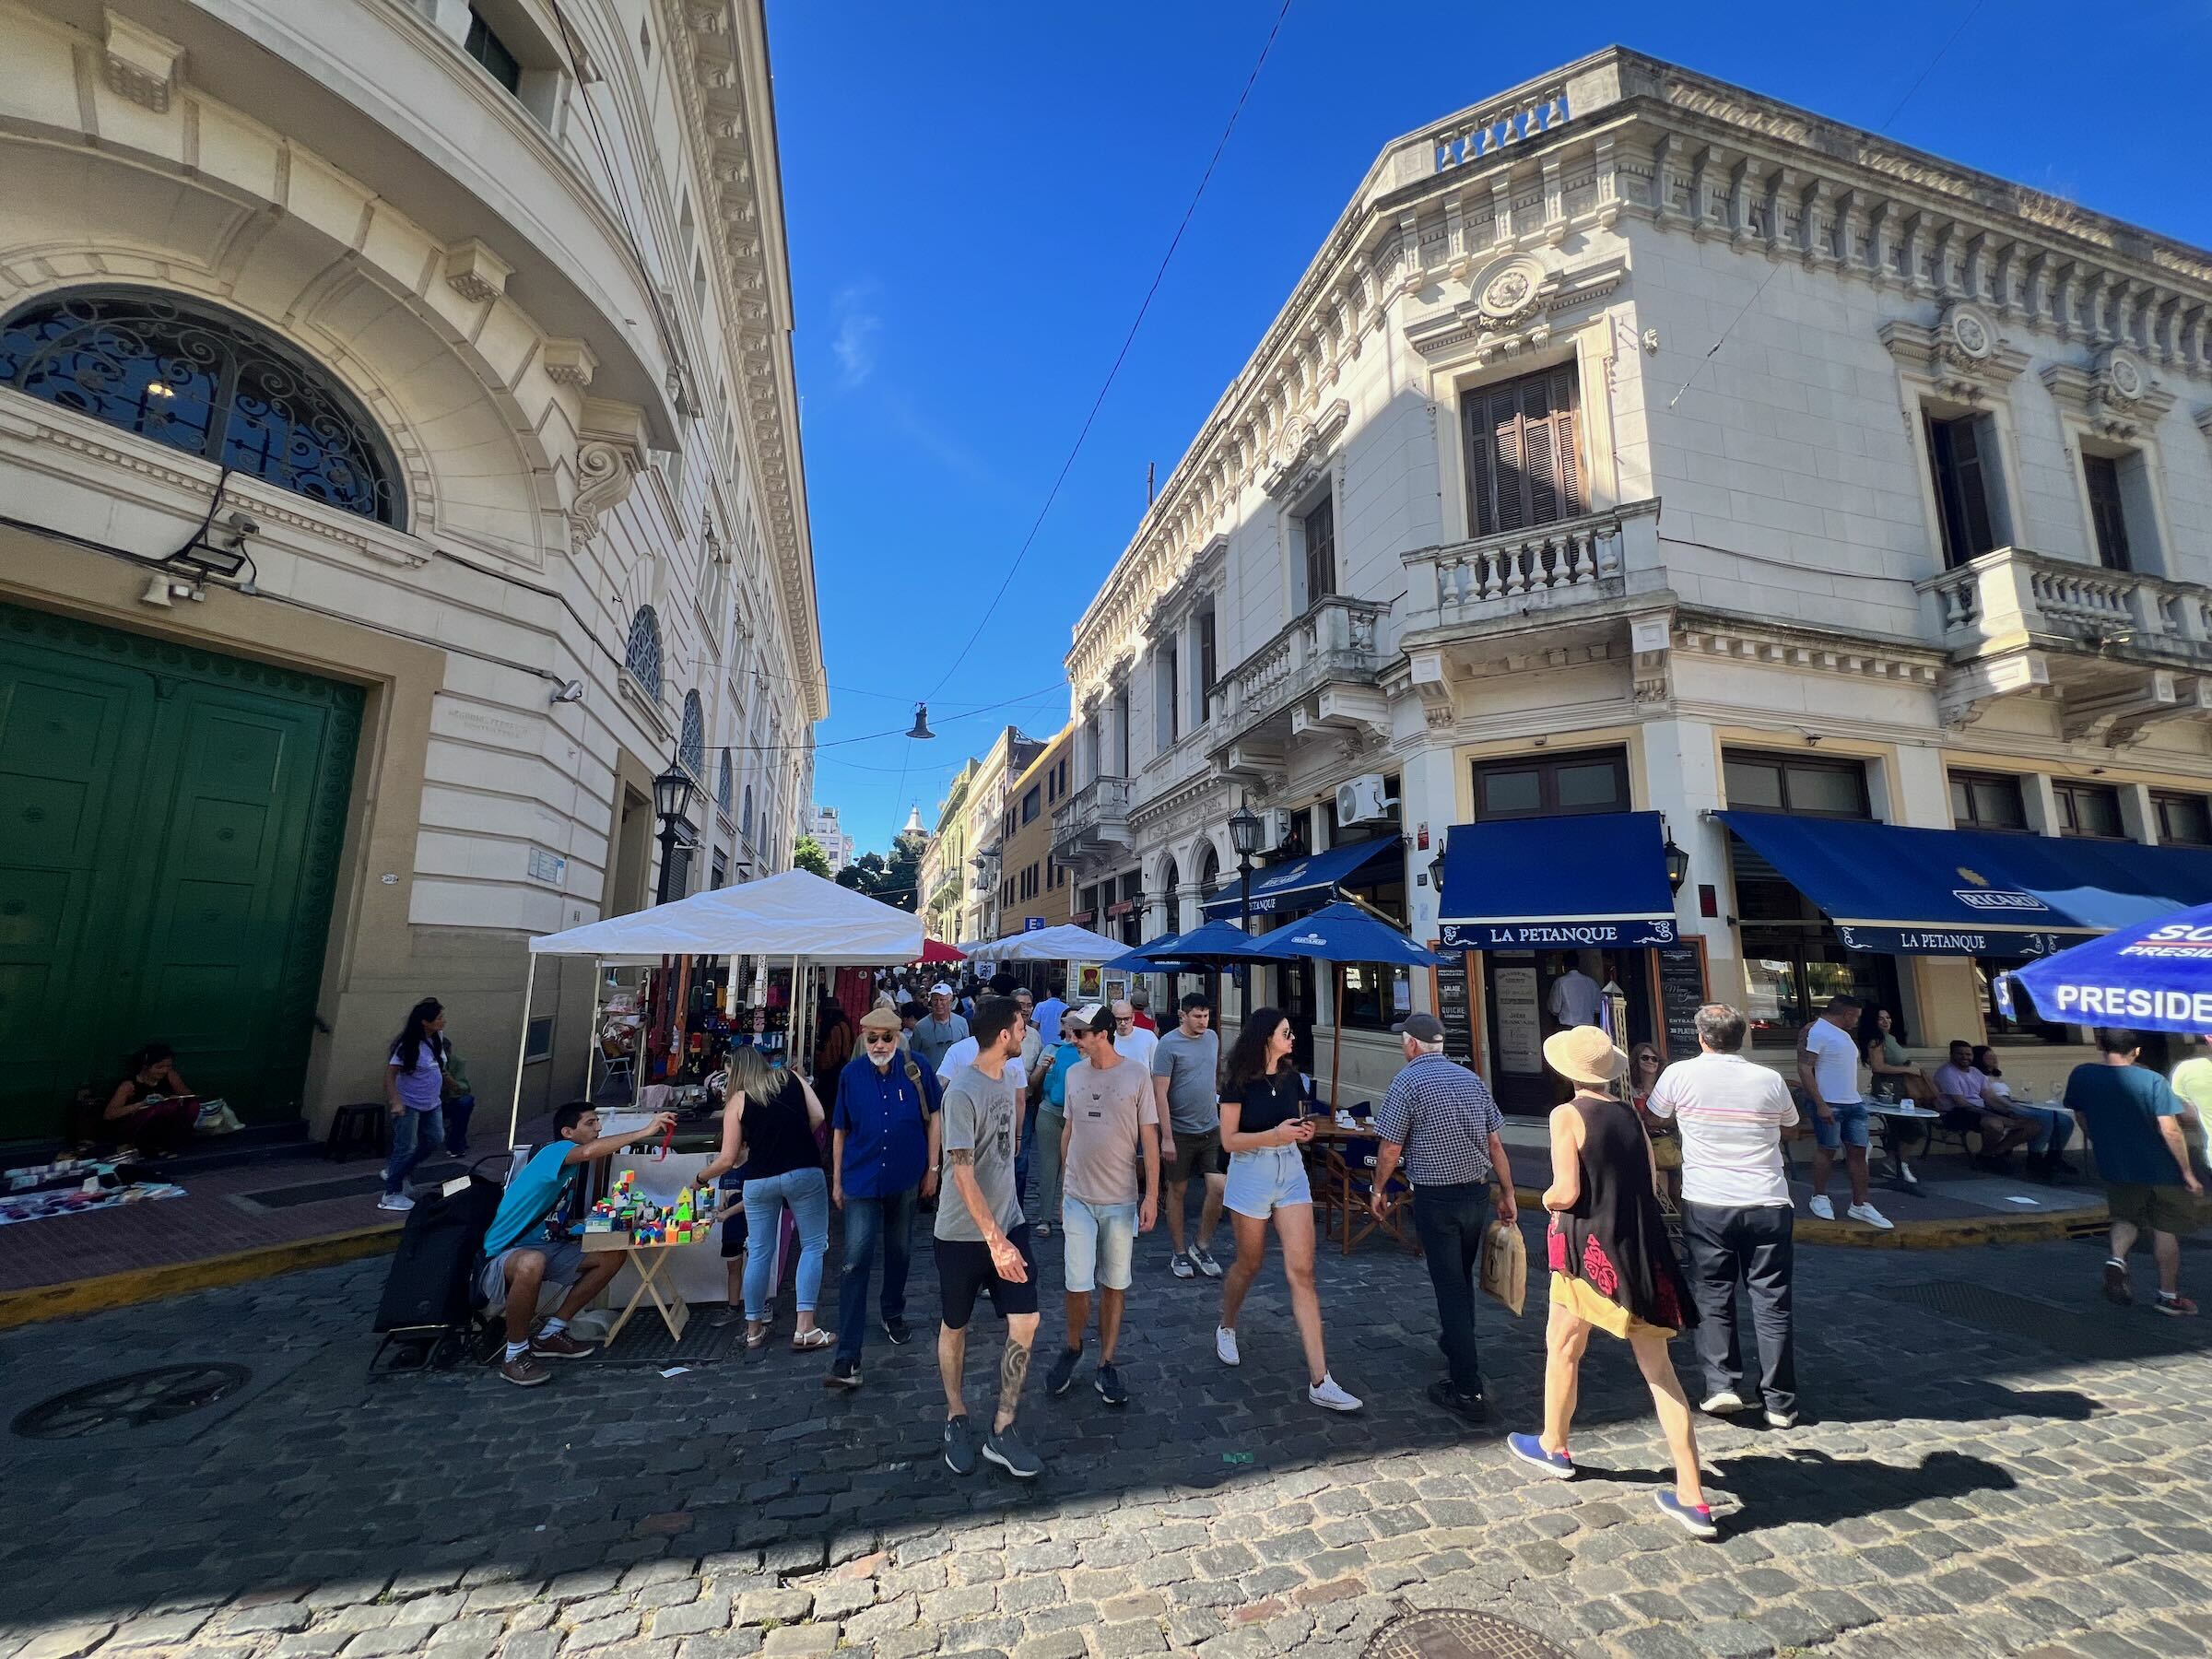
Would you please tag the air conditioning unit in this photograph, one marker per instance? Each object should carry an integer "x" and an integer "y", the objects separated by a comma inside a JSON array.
[
  {"x": 1274, "y": 829},
  {"x": 1364, "y": 800}
]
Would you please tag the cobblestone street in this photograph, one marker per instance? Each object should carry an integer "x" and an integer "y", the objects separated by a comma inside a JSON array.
[{"x": 2024, "y": 1472}]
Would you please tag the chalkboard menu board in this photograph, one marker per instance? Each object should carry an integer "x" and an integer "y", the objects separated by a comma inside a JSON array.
[
  {"x": 1681, "y": 995},
  {"x": 1453, "y": 1009}
]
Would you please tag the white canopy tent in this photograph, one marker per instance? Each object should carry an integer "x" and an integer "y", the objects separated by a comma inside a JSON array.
[
  {"x": 1066, "y": 943},
  {"x": 793, "y": 914}
]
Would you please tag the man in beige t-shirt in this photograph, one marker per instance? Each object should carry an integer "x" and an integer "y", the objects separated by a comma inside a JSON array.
[{"x": 1112, "y": 1123}]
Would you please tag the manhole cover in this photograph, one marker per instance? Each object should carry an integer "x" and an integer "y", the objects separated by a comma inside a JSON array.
[
  {"x": 1456, "y": 1633},
  {"x": 132, "y": 1401}
]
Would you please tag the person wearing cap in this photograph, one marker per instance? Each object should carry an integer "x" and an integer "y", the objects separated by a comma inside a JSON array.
[
  {"x": 935, "y": 1036},
  {"x": 1049, "y": 1088},
  {"x": 1140, "y": 1007},
  {"x": 1112, "y": 1127},
  {"x": 883, "y": 1162},
  {"x": 1613, "y": 1268},
  {"x": 1440, "y": 1120}
]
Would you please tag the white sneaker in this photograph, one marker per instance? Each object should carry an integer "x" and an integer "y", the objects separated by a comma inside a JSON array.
[
  {"x": 1821, "y": 1207},
  {"x": 1326, "y": 1395},
  {"x": 1225, "y": 1345},
  {"x": 1781, "y": 1419},
  {"x": 1872, "y": 1217},
  {"x": 395, "y": 1201},
  {"x": 1722, "y": 1403}
]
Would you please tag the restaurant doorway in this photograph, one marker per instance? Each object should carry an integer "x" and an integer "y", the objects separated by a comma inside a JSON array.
[{"x": 1518, "y": 992}]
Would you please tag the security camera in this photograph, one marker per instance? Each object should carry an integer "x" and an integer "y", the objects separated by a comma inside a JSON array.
[
  {"x": 571, "y": 691},
  {"x": 244, "y": 523}
]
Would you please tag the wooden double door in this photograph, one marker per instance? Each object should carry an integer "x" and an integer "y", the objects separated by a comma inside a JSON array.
[{"x": 171, "y": 822}]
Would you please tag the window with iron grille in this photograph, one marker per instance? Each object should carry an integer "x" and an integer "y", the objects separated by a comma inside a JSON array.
[
  {"x": 642, "y": 652},
  {"x": 203, "y": 380},
  {"x": 691, "y": 742},
  {"x": 1523, "y": 456}
]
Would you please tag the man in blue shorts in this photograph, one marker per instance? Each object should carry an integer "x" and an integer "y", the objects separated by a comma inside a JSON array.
[
  {"x": 531, "y": 1243},
  {"x": 1827, "y": 1070}
]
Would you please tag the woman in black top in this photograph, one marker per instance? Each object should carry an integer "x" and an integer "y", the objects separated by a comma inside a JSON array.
[
  {"x": 776, "y": 1117},
  {"x": 166, "y": 1123},
  {"x": 1612, "y": 1269},
  {"x": 1264, "y": 1133}
]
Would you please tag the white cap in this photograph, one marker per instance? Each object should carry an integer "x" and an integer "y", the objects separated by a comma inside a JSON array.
[
  {"x": 1086, "y": 1017},
  {"x": 940, "y": 989}
]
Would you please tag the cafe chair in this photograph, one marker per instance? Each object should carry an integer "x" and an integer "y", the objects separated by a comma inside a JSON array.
[{"x": 619, "y": 1062}]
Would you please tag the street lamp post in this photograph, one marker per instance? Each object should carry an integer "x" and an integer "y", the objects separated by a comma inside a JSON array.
[
  {"x": 672, "y": 793},
  {"x": 1245, "y": 835}
]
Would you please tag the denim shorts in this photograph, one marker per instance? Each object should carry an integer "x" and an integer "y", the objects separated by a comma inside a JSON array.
[
  {"x": 1099, "y": 1240},
  {"x": 1848, "y": 1129},
  {"x": 1262, "y": 1183},
  {"x": 564, "y": 1260}
]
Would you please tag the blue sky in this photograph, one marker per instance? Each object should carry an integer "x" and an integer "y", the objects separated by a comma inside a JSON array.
[{"x": 978, "y": 197}]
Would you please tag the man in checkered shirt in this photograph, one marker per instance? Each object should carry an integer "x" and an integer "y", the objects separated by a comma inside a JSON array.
[{"x": 1440, "y": 1120}]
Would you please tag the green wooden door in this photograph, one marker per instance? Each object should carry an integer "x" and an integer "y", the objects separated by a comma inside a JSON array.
[{"x": 170, "y": 823}]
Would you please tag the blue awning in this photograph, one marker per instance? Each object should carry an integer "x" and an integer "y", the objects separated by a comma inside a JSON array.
[
  {"x": 1304, "y": 882},
  {"x": 1577, "y": 879},
  {"x": 1971, "y": 892}
]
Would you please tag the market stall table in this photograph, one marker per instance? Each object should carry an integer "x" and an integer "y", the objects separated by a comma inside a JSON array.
[{"x": 649, "y": 1260}]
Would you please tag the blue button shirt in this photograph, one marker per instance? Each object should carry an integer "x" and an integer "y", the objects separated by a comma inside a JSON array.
[{"x": 886, "y": 1125}]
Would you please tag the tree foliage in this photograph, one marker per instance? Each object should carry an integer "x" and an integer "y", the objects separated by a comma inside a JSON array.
[
  {"x": 806, "y": 854},
  {"x": 892, "y": 880}
]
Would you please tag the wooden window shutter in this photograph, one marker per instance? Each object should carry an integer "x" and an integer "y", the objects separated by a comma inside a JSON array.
[
  {"x": 2102, "y": 475},
  {"x": 1523, "y": 464}
]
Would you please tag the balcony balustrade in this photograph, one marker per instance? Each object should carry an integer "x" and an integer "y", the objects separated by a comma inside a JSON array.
[{"x": 1094, "y": 818}]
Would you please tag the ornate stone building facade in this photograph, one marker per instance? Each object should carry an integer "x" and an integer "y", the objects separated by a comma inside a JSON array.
[
  {"x": 399, "y": 468},
  {"x": 1481, "y": 532}
]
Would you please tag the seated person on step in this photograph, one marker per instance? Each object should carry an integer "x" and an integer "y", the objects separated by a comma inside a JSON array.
[{"x": 153, "y": 1108}]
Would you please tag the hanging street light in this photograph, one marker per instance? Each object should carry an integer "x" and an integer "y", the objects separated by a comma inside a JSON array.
[{"x": 672, "y": 793}]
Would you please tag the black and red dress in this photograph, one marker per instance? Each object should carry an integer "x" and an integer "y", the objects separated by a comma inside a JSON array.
[{"x": 1611, "y": 1262}]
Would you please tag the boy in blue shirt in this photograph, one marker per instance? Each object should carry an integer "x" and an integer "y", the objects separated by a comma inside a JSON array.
[{"x": 532, "y": 1243}]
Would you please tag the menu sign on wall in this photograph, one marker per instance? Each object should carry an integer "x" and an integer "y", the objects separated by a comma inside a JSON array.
[
  {"x": 1520, "y": 1021},
  {"x": 1452, "y": 1007},
  {"x": 1681, "y": 995}
]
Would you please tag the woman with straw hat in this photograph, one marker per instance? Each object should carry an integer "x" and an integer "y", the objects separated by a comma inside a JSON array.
[{"x": 1612, "y": 1269}]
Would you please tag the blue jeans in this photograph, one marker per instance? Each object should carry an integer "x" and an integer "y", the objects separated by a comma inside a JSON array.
[
  {"x": 806, "y": 1193},
  {"x": 2054, "y": 1128},
  {"x": 891, "y": 1221},
  {"x": 415, "y": 1136}
]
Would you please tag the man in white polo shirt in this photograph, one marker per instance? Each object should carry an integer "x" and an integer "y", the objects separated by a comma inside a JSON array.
[
  {"x": 1827, "y": 1070},
  {"x": 1737, "y": 1220}
]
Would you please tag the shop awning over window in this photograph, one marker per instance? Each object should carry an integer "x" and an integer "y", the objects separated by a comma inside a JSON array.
[
  {"x": 1578, "y": 880},
  {"x": 1971, "y": 892},
  {"x": 1305, "y": 882}
]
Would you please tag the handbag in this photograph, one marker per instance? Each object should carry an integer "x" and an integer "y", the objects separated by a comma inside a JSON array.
[{"x": 1503, "y": 1270}]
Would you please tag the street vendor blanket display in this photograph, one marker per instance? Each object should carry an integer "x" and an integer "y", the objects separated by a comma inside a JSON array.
[{"x": 75, "y": 1201}]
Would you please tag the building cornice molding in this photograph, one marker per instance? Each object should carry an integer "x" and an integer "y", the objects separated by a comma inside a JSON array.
[{"x": 721, "y": 77}]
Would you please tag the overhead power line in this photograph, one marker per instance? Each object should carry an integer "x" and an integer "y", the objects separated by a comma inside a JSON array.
[{"x": 1129, "y": 339}]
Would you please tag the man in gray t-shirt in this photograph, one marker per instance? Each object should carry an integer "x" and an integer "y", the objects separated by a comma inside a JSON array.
[
  {"x": 982, "y": 1243},
  {"x": 1185, "y": 1078},
  {"x": 934, "y": 1036}
]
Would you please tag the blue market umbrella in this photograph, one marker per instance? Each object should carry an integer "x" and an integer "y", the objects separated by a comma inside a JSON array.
[
  {"x": 1337, "y": 933},
  {"x": 2152, "y": 976},
  {"x": 1207, "y": 944},
  {"x": 1145, "y": 958},
  {"x": 1343, "y": 933}
]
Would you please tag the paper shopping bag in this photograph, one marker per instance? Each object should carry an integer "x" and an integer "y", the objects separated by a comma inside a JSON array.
[{"x": 1503, "y": 1271}]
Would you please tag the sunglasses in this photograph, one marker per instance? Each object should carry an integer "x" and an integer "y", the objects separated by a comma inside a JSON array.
[{"x": 874, "y": 1037}]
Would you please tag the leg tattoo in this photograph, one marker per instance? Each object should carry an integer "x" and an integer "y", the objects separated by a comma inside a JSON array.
[{"x": 1013, "y": 1372}]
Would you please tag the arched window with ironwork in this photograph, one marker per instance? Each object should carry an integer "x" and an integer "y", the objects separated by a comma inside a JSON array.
[
  {"x": 1171, "y": 883},
  {"x": 642, "y": 654},
  {"x": 205, "y": 381},
  {"x": 691, "y": 740},
  {"x": 745, "y": 818},
  {"x": 726, "y": 788}
]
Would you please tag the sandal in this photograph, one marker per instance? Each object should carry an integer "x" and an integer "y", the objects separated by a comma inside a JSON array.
[
  {"x": 756, "y": 1340},
  {"x": 807, "y": 1341}
]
